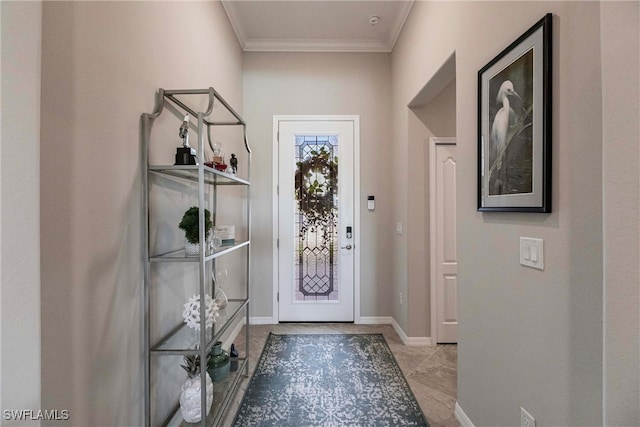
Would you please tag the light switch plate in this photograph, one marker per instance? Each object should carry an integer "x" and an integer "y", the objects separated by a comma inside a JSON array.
[
  {"x": 532, "y": 252},
  {"x": 399, "y": 228}
]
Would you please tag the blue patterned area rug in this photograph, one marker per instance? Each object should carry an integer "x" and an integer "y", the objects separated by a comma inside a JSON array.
[{"x": 328, "y": 380}]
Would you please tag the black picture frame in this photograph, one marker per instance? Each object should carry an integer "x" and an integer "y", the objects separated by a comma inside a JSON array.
[{"x": 514, "y": 143}]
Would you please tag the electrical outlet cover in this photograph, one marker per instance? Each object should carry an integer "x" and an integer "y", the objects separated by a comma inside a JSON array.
[{"x": 526, "y": 419}]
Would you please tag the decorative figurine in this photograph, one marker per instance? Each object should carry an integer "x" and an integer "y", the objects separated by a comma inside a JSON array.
[
  {"x": 184, "y": 131},
  {"x": 185, "y": 155},
  {"x": 190, "y": 395},
  {"x": 234, "y": 164},
  {"x": 191, "y": 312}
]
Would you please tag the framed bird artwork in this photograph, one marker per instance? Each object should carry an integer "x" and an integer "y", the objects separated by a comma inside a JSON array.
[{"x": 514, "y": 125}]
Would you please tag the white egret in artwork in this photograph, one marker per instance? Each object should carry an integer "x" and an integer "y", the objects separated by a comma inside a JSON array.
[{"x": 503, "y": 119}]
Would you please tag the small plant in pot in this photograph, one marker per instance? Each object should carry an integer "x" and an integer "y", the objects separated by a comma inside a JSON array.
[
  {"x": 190, "y": 397},
  {"x": 190, "y": 225}
]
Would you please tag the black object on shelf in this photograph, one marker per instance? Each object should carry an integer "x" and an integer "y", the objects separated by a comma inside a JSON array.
[
  {"x": 184, "y": 156},
  {"x": 233, "y": 353}
]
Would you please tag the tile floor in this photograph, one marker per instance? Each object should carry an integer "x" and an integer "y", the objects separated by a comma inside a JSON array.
[{"x": 430, "y": 370}]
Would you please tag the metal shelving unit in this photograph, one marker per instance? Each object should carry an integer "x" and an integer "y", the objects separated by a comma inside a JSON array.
[{"x": 180, "y": 340}]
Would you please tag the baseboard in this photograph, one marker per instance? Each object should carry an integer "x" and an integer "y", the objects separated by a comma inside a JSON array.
[
  {"x": 375, "y": 320},
  {"x": 410, "y": 341},
  {"x": 418, "y": 341},
  {"x": 462, "y": 417},
  {"x": 364, "y": 320},
  {"x": 226, "y": 343},
  {"x": 262, "y": 321}
]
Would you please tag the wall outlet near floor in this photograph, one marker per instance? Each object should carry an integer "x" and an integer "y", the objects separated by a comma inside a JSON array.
[
  {"x": 401, "y": 300},
  {"x": 526, "y": 419}
]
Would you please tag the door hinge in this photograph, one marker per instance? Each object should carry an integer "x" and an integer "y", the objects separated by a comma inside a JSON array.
[
  {"x": 278, "y": 189},
  {"x": 278, "y": 297},
  {"x": 278, "y": 136},
  {"x": 278, "y": 243}
]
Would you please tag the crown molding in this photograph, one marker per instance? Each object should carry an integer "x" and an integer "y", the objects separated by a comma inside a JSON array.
[
  {"x": 235, "y": 22},
  {"x": 317, "y": 45},
  {"x": 314, "y": 45},
  {"x": 397, "y": 26}
]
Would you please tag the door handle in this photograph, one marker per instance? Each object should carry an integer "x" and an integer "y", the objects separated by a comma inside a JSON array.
[{"x": 348, "y": 247}]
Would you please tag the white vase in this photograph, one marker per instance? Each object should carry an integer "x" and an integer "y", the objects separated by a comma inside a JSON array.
[
  {"x": 190, "y": 399},
  {"x": 191, "y": 249}
]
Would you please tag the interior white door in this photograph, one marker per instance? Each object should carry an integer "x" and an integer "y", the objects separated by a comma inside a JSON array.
[
  {"x": 443, "y": 228},
  {"x": 316, "y": 220}
]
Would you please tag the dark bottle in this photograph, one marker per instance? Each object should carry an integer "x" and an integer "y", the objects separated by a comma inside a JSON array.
[{"x": 234, "y": 358}]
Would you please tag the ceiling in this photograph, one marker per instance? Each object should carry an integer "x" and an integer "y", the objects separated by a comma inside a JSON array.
[{"x": 317, "y": 26}]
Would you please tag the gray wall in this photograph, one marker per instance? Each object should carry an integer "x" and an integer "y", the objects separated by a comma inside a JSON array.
[
  {"x": 102, "y": 64},
  {"x": 20, "y": 345},
  {"x": 620, "y": 26},
  {"x": 526, "y": 338},
  {"x": 439, "y": 114},
  {"x": 330, "y": 84}
]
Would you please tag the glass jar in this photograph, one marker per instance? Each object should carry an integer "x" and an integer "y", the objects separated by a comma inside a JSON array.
[{"x": 218, "y": 366}]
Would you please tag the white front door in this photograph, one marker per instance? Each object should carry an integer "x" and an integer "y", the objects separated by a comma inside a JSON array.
[
  {"x": 316, "y": 229},
  {"x": 444, "y": 264}
]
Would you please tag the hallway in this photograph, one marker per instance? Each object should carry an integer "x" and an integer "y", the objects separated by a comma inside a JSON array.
[
  {"x": 430, "y": 370},
  {"x": 73, "y": 300}
]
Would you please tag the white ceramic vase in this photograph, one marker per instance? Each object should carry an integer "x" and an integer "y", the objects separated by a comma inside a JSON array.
[
  {"x": 191, "y": 249},
  {"x": 190, "y": 399}
]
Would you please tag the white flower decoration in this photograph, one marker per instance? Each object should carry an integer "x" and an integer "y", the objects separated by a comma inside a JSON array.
[{"x": 191, "y": 313}]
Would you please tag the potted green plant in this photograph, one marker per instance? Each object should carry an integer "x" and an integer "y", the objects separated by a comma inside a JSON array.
[{"x": 190, "y": 225}]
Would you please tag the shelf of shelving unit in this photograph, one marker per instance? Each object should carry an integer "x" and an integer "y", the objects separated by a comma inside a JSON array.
[
  {"x": 212, "y": 176},
  {"x": 183, "y": 340},
  {"x": 178, "y": 255}
]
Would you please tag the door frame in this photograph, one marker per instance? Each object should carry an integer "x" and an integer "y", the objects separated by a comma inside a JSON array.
[
  {"x": 356, "y": 204},
  {"x": 433, "y": 142}
]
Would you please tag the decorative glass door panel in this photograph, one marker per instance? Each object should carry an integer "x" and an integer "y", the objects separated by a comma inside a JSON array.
[{"x": 316, "y": 218}]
